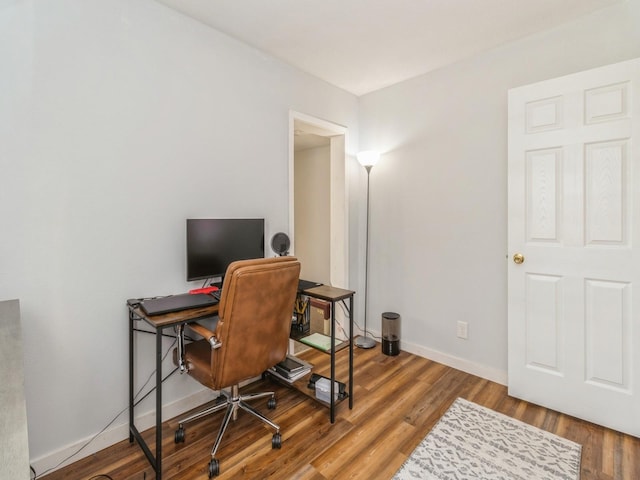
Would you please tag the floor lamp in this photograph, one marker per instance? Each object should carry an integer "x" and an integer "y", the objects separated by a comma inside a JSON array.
[{"x": 367, "y": 159}]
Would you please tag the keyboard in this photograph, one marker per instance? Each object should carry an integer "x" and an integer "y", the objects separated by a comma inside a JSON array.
[{"x": 175, "y": 303}]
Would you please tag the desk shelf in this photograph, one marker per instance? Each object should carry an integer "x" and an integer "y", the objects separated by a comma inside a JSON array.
[
  {"x": 301, "y": 384},
  {"x": 340, "y": 345},
  {"x": 331, "y": 295}
]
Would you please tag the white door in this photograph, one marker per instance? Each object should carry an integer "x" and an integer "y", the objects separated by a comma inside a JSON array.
[{"x": 574, "y": 217}]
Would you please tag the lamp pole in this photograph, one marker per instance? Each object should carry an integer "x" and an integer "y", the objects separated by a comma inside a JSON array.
[{"x": 368, "y": 160}]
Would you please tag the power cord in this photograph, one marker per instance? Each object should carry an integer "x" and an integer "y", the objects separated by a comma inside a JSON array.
[
  {"x": 35, "y": 475},
  {"x": 346, "y": 311}
]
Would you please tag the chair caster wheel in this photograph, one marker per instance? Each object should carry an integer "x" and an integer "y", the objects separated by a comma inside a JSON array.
[
  {"x": 276, "y": 441},
  {"x": 214, "y": 468},
  {"x": 271, "y": 404},
  {"x": 179, "y": 435}
]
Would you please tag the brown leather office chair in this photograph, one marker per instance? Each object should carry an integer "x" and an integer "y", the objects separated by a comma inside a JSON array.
[{"x": 252, "y": 335}]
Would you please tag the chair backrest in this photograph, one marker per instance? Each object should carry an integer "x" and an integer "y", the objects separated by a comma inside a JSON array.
[{"x": 255, "y": 313}]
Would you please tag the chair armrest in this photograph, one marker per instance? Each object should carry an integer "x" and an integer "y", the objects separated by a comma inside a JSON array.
[{"x": 206, "y": 333}]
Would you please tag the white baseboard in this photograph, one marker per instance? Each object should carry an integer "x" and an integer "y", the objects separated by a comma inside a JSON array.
[
  {"x": 498, "y": 376},
  {"x": 60, "y": 458}
]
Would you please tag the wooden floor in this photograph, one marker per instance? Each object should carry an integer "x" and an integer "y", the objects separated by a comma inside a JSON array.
[{"x": 397, "y": 400}]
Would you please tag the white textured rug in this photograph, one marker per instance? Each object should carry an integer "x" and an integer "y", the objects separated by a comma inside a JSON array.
[{"x": 474, "y": 442}]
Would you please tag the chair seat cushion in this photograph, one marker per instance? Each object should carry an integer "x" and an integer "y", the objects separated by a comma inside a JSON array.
[{"x": 198, "y": 359}]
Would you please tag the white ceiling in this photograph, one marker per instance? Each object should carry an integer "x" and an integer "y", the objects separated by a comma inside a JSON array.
[{"x": 365, "y": 45}]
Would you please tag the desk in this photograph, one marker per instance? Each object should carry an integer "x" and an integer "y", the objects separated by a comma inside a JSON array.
[
  {"x": 333, "y": 295},
  {"x": 159, "y": 323},
  {"x": 170, "y": 320}
]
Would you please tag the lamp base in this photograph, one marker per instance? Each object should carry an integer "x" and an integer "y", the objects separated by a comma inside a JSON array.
[{"x": 365, "y": 342}]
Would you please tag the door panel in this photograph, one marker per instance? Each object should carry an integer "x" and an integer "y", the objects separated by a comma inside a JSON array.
[
  {"x": 543, "y": 177},
  {"x": 606, "y": 181},
  {"x": 544, "y": 317},
  {"x": 607, "y": 325},
  {"x": 574, "y": 215}
]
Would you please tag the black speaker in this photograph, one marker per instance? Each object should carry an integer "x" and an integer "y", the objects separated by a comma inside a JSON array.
[{"x": 280, "y": 244}]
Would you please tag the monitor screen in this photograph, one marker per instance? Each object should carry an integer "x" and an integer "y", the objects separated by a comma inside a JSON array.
[{"x": 212, "y": 244}]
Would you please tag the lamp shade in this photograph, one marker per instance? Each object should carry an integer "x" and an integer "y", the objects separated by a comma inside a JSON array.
[{"x": 368, "y": 158}]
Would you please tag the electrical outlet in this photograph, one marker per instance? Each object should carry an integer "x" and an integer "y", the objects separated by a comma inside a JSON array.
[{"x": 462, "y": 330}]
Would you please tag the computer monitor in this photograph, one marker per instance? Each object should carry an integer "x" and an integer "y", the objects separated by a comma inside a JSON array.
[{"x": 214, "y": 243}]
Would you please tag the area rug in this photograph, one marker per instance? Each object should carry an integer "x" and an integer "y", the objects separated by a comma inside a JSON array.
[{"x": 474, "y": 442}]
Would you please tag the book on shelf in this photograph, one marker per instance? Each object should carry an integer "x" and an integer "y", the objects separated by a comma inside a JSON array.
[
  {"x": 290, "y": 365},
  {"x": 317, "y": 340},
  {"x": 291, "y": 369}
]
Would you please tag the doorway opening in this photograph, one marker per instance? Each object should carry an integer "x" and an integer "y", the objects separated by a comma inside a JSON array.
[{"x": 318, "y": 199}]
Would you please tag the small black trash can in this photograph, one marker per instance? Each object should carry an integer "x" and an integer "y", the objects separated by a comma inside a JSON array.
[{"x": 390, "y": 333}]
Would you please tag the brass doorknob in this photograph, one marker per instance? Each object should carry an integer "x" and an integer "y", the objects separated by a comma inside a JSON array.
[{"x": 518, "y": 258}]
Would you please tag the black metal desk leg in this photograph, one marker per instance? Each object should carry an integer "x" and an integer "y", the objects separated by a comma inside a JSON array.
[
  {"x": 159, "y": 404},
  {"x": 131, "y": 333},
  {"x": 333, "y": 362},
  {"x": 351, "y": 352}
]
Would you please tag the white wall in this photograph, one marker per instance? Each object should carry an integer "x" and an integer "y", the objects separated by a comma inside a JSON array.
[
  {"x": 119, "y": 119},
  {"x": 439, "y": 205}
]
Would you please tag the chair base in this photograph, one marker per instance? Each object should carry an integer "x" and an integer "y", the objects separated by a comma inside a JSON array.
[{"x": 233, "y": 402}]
